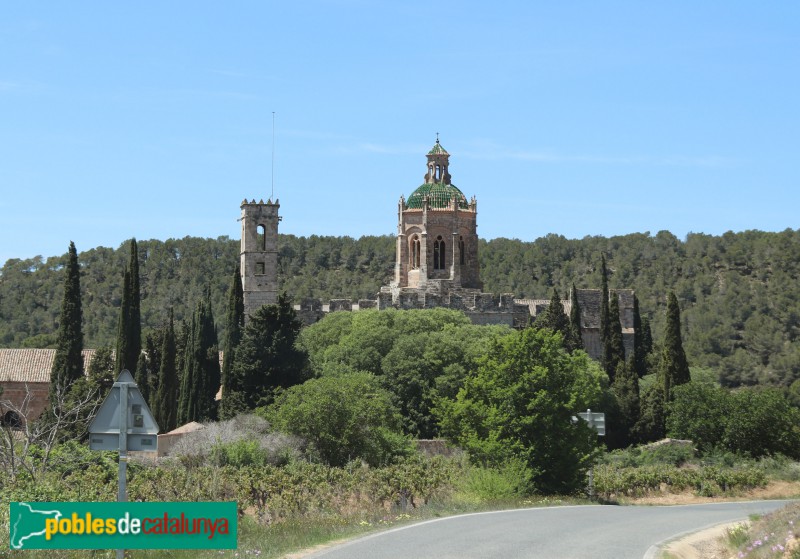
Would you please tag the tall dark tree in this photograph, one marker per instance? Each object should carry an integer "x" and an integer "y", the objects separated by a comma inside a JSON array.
[
  {"x": 68, "y": 361},
  {"x": 614, "y": 348},
  {"x": 555, "y": 318},
  {"x": 135, "y": 314},
  {"x": 647, "y": 337},
  {"x": 129, "y": 329},
  {"x": 201, "y": 370},
  {"x": 267, "y": 357},
  {"x": 674, "y": 366},
  {"x": 626, "y": 392},
  {"x": 575, "y": 338},
  {"x": 101, "y": 369},
  {"x": 652, "y": 418},
  {"x": 233, "y": 335},
  {"x": 152, "y": 355},
  {"x": 164, "y": 408},
  {"x": 141, "y": 376},
  {"x": 639, "y": 349},
  {"x": 123, "y": 340},
  {"x": 605, "y": 321}
]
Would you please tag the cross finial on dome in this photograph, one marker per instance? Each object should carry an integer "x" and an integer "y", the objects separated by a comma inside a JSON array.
[{"x": 437, "y": 137}]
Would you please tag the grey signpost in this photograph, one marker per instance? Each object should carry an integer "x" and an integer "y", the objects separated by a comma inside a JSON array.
[
  {"x": 596, "y": 421},
  {"x": 123, "y": 423}
]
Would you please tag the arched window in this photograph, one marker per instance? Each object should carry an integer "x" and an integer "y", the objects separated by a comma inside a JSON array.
[
  {"x": 438, "y": 253},
  {"x": 413, "y": 257},
  {"x": 11, "y": 419},
  {"x": 261, "y": 238},
  {"x": 462, "y": 255}
]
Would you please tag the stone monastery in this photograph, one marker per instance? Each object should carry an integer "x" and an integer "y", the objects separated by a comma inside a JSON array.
[{"x": 436, "y": 265}]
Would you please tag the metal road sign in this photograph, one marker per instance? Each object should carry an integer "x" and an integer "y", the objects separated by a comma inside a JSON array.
[
  {"x": 596, "y": 421},
  {"x": 141, "y": 428},
  {"x": 124, "y": 422}
]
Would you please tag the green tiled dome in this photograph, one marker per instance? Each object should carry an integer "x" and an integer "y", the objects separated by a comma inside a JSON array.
[{"x": 439, "y": 196}]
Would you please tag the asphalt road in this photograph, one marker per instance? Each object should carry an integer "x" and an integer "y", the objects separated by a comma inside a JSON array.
[{"x": 580, "y": 532}]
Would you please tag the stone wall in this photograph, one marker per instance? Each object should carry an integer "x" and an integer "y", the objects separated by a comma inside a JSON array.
[
  {"x": 259, "y": 254},
  {"x": 15, "y": 394},
  {"x": 480, "y": 308}
]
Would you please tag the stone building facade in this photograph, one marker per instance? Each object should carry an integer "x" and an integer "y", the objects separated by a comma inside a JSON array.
[
  {"x": 437, "y": 236},
  {"x": 259, "y": 254},
  {"x": 436, "y": 264},
  {"x": 25, "y": 380}
]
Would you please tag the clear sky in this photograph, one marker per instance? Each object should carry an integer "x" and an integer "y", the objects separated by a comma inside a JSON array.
[{"x": 154, "y": 119}]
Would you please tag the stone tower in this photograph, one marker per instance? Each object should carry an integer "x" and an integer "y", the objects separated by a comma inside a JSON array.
[
  {"x": 437, "y": 238},
  {"x": 259, "y": 254}
]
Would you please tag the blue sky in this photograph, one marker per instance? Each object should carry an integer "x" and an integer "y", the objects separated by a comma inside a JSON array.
[{"x": 154, "y": 119}]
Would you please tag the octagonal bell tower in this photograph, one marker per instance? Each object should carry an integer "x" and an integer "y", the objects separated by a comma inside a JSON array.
[{"x": 437, "y": 237}]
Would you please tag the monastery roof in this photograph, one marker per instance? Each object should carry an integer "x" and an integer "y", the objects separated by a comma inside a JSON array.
[
  {"x": 187, "y": 428},
  {"x": 439, "y": 196},
  {"x": 32, "y": 365}
]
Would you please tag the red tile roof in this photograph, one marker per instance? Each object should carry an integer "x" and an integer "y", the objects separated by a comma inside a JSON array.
[{"x": 32, "y": 365}]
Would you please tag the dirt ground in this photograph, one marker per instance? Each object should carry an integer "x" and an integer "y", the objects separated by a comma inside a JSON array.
[{"x": 708, "y": 544}]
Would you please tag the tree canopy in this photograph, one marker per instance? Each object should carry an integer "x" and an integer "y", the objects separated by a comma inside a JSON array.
[
  {"x": 739, "y": 292},
  {"x": 518, "y": 405}
]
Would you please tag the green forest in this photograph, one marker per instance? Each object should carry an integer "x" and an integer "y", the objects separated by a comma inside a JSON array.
[{"x": 739, "y": 292}]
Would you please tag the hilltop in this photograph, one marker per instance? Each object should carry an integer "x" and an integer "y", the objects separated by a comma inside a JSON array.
[{"x": 739, "y": 292}]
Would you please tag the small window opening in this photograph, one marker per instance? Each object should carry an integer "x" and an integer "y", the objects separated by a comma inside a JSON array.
[
  {"x": 414, "y": 256},
  {"x": 12, "y": 420},
  {"x": 261, "y": 269},
  {"x": 438, "y": 253},
  {"x": 261, "y": 238}
]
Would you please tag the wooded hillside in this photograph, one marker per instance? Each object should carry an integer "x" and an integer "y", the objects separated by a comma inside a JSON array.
[{"x": 739, "y": 292}]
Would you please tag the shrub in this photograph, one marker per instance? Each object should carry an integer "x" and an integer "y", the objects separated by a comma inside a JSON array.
[
  {"x": 240, "y": 441},
  {"x": 505, "y": 482},
  {"x": 344, "y": 417}
]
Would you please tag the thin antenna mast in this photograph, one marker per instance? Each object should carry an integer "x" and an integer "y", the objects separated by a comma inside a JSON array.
[{"x": 272, "y": 193}]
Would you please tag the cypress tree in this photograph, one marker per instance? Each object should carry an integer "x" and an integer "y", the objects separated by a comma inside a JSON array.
[
  {"x": 68, "y": 361},
  {"x": 188, "y": 405},
  {"x": 129, "y": 329},
  {"x": 647, "y": 337},
  {"x": 554, "y": 318},
  {"x": 164, "y": 408},
  {"x": 140, "y": 376},
  {"x": 605, "y": 323},
  {"x": 626, "y": 392},
  {"x": 674, "y": 367},
  {"x": 639, "y": 353},
  {"x": 101, "y": 369},
  {"x": 211, "y": 365},
  {"x": 575, "y": 338},
  {"x": 652, "y": 421},
  {"x": 135, "y": 313},
  {"x": 614, "y": 347},
  {"x": 201, "y": 373},
  {"x": 152, "y": 354},
  {"x": 267, "y": 357},
  {"x": 123, "y": 340},
  {"x": 229, "y": 406}
]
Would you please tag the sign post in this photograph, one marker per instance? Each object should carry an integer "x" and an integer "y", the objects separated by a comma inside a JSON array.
[
  {"x": 123, "y": 423},
  {"x": 596, "y": 421}
]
